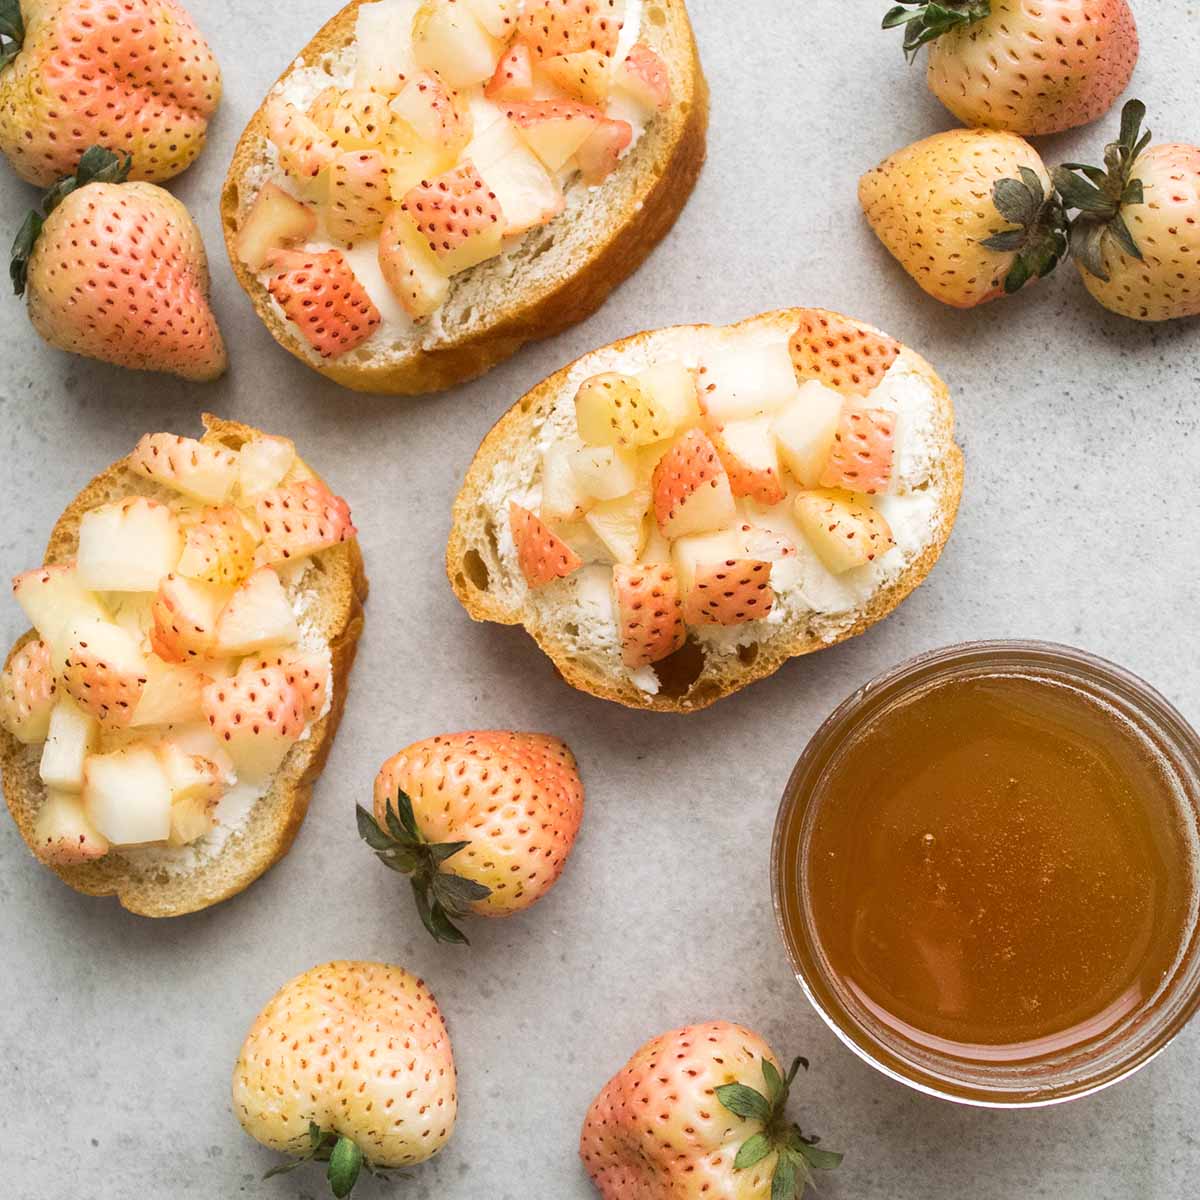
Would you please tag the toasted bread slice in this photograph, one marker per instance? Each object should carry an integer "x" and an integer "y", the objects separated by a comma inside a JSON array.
[
  {"x": 484, "y": 572},
  {"x": 556, "y": 276},
  {"x": 340, "y": 585}
]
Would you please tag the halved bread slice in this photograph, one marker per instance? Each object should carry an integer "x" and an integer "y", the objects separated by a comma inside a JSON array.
[
  {"x": 567, "y": 618},
  {"x": 554, "y": 277},
  {"x": 337, "y": 588}
]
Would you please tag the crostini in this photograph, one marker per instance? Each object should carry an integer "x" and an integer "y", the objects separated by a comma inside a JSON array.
[
  {"x": 433, "y": 183},
  {"x": 195, "y": 622},
  {"x": 674, "y": 516}
]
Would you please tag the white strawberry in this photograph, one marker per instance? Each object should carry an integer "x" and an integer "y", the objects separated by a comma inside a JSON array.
[
  {"x": 186, "y": 465},
  {"x": 258, "y": 715},
  {"x": 28, "y": 693},
  {"x": 258, "y": 615},
  {"x": 63, "y": 835}
]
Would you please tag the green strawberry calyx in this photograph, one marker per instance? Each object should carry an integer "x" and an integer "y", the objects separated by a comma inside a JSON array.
[
  {"x": 1098, "y": 194},
  {"x": 345, "y": 1159},
  {"x": 12, "y": 31},
  {"x": 1039, "y": 239},
  {"x": 97, "y": 165},
  {"x": 797, "y": 1153},
  {"x": 400, "y": 845},
  {"x": 926, "y": 20}
]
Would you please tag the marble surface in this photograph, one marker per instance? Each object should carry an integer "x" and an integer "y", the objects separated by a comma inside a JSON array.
[{"x": 117, "y": 1035}]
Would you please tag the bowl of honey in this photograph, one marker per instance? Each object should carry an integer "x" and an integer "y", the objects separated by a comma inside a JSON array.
[{"x": 986, "y": 871}]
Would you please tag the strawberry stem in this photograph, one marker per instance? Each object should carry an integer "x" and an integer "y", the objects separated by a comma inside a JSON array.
[
  {"x": 926, "y": 20},
  {"x": 345, "y": 1159},
  {"x": 1039, "y": 238},
  {"x": 12, "y": 31}
]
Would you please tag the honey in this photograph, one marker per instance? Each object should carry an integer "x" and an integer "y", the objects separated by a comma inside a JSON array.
[{"x": 994, "y": 866}]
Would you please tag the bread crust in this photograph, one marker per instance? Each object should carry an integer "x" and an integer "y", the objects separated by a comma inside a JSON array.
[
  {"x": 277, "y": 816},
  {"x": 663, "y": 168},
  {"x": 517, "y": 426}
]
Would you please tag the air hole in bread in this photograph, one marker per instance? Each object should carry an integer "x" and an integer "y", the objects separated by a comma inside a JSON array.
[
  {"x": 489, "y": 531},
  {"x": 705, "y": 693},
  {"x": 571, "y": 629},
  {"x": 680, "y": 670},
  {"x": 475, "y": 569},
  {"x": 747, "y": 654}
]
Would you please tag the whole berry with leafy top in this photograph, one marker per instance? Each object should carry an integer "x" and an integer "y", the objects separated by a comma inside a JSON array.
[
  {"x": 116, "y": 271},
  {"x": 134, "y": 76},
  {"x": 480, "y": 822},
  {"x": 349, "y": 1064},
  {"x": 699, "y": 1113},
  {"x": 1028, "y": 68},
  {"x": 970, "y": 214},
  {"x": 1135, "y": 235}
]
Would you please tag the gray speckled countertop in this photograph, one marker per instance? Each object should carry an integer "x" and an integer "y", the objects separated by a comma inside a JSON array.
[{"x": 1079, "y": 523}]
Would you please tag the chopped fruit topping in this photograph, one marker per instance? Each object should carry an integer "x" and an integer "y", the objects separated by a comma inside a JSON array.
[
  {"x": 643, "y": 77},
  {"x": 513, "y": 79},
  {"x": 197, "y": 784},
  {"x": 218, "y": 548},
  {"x": 805, "y": 431},
  {"x": 203, "y": 472},
  {"x": 71, "y": 737},
  {"x": 743, "y": 381},
  {"x": 358, "y": 195},
  {"x": 673, "y": 388},
  {"x": 171, "y": 695},
  {"x": 748, "y": 453},
  {"x": 258, "y": 715},
  {"x": 300, "y": 519},
  {"x": 612, "y": 410},
  {"x": 458, "y": 216},
  {"x": 621, "y": 524},
  {"x": 553, "y": 129},
  {"x": 307, "y": 671},
  {"x": 689, "y": 554},
  {"x": 305, "y": 149},
  {"x": 552, "y": 27},
  {"x": 449, "y": 40},
  {"x": 604, "y": 472},
  {"x": 649, "y": 613},
  {"x": 257, "y": 616},
  {"x": 412, "y": 271},
  {"x": 429, "y": 109},
  {"x": 320, "y": 294},
  {"x": 527, "y": 194},
  {"x": 730, "y": 593},
  {"x": 128, "y": 545},
  {"x": 498, "y": 17},
  {"x": 324, "y": 107},
  {"x": 383, "y": 47},
  {"x": 275, "y": 219},
  {"x": 863, "y": 448},
  {"x": 126, "y": 796},
  {"x": 763, "y": 544},
  {"x": 185, "y": 613},
  {"x": 691, "y": 489},
  {"x": 844, "y": 533},
  {"x": 586, "y": 75},
  {"x": 543, "y": 555},
  {"x": 360, "y": 120},
  {"x": 27, "y": 693},
  {"x": 563, "y": 499},
  {"x": 53, "y": 599},
  {"x": 841, "y": 355},
  {"x": 262, "y": 464},
  {"x": 103, "y": 671},
  {"x": 62, "y": 834},
  {"x": 602, "y": 149}
]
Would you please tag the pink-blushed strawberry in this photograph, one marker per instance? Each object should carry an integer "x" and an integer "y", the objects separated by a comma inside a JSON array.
[
  {"x": 306, "y": 670},
  {"x": 1027, "y": 68},
  {"x": 459, "y": 217},
  {"x": 435, "y": 114},
  {"x": 184, "y": 614},
  {"x": 117, "y": 271},
  {"x": 28, "y": 692},
  {"x": 970, "y": 214},
  {"x": 748, "y": 453},
  {"x": 541, "y": 553},
  {"x": 217, "y": 547},
  {"x": 349, "y": 1064},
  {"x": 358, "y": 195},
  {"x": 841, "y": 354},
  {"x": 552, "y": 27},
  {"x": 691, "y": 488},
  {"x": 321, "y": 295},
  {"x": 103, "y": 672},
  {"x": 586, "y": 75},
  {"x": 136, "y": 77},
  {"x": 844, "y": 531},
  {"x": 730, "y": 593},
  {"x": 481, "y": 822},
  {"x": 863, "y": 451},
  {"x": 601, "y": 150},
  {"x": 643, "y": 74},
  {"x": 513, "y": 79},
  {"x": 359, "y": 119},
  {"x": 554, "y": 129},
  {"x": 299, "y": 519},
  {"x": 410, "y": 268},
  {"x": 204, "y": 472},
  {"x": 305, "y": 148},
  {"x": 258, "y": 715},
  {"x": 1136, "y": 235},
  {"x": 649, "y": 612},
  {"x": 700, "y": 1113}
]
